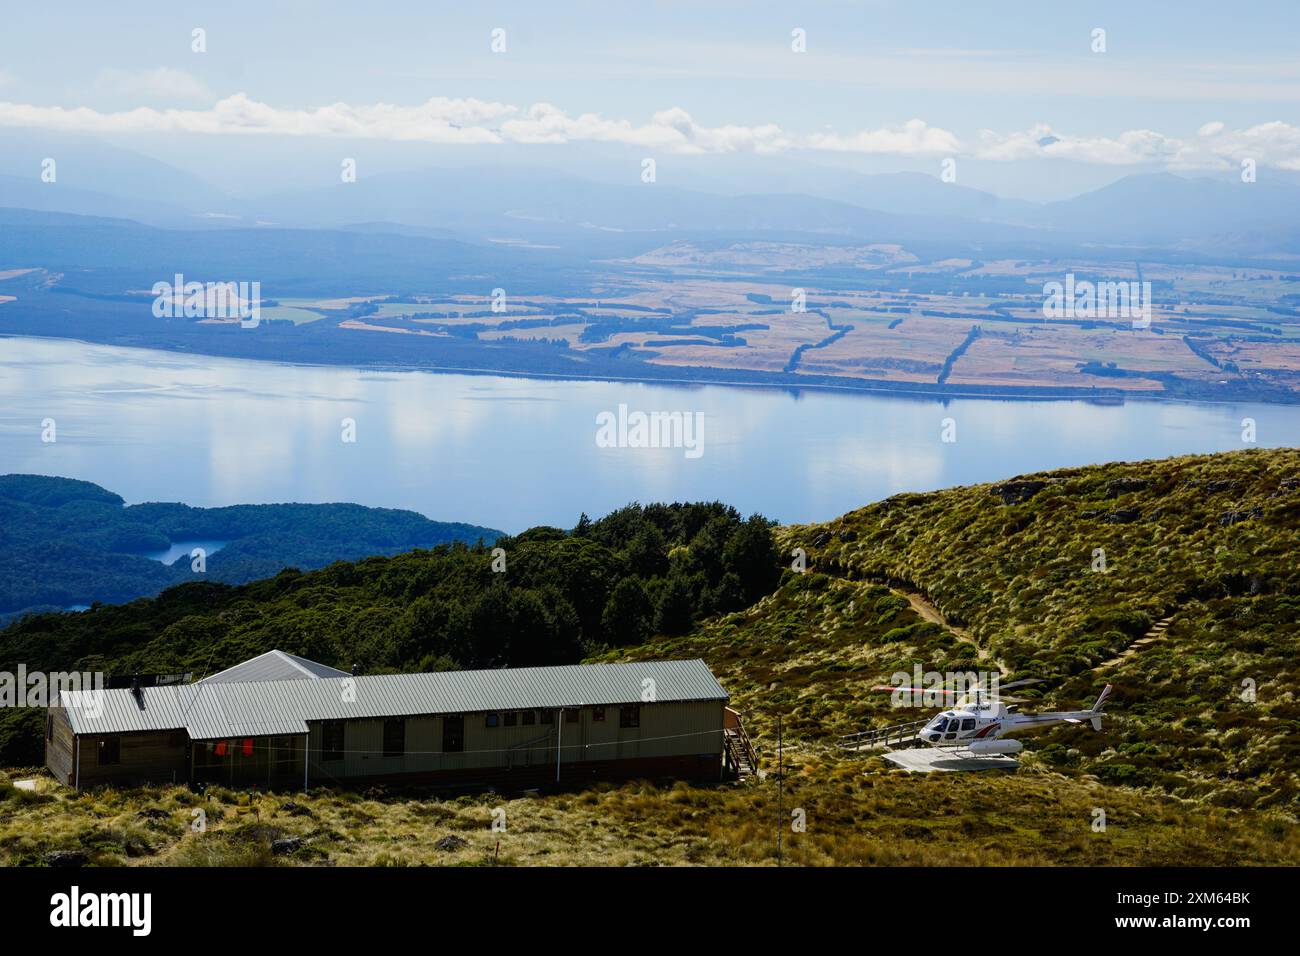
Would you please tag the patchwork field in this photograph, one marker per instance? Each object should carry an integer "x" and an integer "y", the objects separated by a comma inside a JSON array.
[{"x": 889, "y": 318}]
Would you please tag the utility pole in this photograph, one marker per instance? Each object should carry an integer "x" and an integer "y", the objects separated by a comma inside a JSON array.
[{"x": 780, "y": 788}]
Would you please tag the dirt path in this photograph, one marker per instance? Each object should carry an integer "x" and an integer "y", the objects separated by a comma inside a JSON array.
[{"x": 922, "y": 606}]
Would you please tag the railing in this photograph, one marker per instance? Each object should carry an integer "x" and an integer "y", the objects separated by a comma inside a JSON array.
[
  {"x": 736, "y": 740},
  {"x": 881, "y": 736}
]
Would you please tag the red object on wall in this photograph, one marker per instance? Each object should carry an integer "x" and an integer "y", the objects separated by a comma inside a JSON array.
[
  {"x": 220, "y": 750},
  {"x": 248, "y": 746}
]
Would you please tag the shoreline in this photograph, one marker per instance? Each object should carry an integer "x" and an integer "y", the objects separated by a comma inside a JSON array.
[{"x": 868, "y": 387}]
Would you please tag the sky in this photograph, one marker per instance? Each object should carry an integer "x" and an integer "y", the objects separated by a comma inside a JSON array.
[{"x": 1018, "y": 93}]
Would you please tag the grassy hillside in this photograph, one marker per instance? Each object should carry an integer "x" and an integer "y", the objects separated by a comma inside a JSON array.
[{"x": 1211, "y": 542}]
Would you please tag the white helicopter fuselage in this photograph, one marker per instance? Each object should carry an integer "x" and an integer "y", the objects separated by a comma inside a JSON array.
[{"x": 982, "y": 727}]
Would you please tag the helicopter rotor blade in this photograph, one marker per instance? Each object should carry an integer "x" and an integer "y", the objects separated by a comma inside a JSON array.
[
  {"x": 1020, "y": 683},
  {"x": 917, "y": 690}
]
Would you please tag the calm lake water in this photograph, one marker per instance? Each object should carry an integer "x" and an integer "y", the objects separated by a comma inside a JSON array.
[{"x": 511, "y": 453}]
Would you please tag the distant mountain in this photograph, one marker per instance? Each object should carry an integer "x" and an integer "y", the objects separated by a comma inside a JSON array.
[
  {"x": 107, "y": 255},
  {"x": 1162, "y": 208},
  {"x": 65, "y": 542},
  {"x": 532, "y": 204},
  {"x": 92, "y": 177}
]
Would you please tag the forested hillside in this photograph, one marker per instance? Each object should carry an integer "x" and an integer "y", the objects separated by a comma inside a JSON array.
[{"x": 65, "y": 542}]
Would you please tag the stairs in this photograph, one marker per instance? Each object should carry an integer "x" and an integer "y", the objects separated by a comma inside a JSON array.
[
  {"x": 1158, "y": 631},
  {"x": 739, "y": 757},
  {"x": 738, "y": 750}
]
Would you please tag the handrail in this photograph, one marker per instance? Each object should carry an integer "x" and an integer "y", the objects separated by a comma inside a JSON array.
[
  {"x": 737, "y": 740},
  {"x": 880, "y": 735}
]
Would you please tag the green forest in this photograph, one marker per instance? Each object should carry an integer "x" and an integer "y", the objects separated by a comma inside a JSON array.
[{"x": 65, "y": 542}]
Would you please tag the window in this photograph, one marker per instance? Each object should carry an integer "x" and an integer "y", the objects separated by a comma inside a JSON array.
[
  {"x": 493, "y": 720},
  {"x": 394, "y": 736},
  {"x": 453, "y": 734},
  {"x": 570, "y": 715},
  {"x": 530, "y": 718},
  {"x": 629, "y": 715},
  {"x": 331, "y": 740},
  {"x": 110, "y": 751},
  {"x": 968, "y": 723},
  {"x": 512, "y": 718},
  {"x": 548, "y": 716},
  {"x": 598, "y": 713}
]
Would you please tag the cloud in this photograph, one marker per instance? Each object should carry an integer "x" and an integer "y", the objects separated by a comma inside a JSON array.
[
  {"x": 1130, "y": 148},
  {"x": 439, "y": 120},
  {"x": 1269, "y": 144},
  {"x": 915, "y": 138},
  {"x": 465, "y": 121},
  {"x": 161, "y": 83}
]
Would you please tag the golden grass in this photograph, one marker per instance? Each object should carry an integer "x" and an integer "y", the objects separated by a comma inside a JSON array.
[{"x": 858, "y": 812}]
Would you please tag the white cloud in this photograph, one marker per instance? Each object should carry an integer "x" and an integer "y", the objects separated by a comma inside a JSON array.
[
  {"x": 450, "y": 121},
  {"x": 915, "y": 138},
  {"x": 1129, "y": 148},
  {"x": 1269, "y": 144},
  {"x": 161, "y": 83}
]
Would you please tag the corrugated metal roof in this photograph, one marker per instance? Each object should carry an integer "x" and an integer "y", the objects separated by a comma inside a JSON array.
[
  {"x": 274, "y": 665},
  {"x": 253, "y": 708}
]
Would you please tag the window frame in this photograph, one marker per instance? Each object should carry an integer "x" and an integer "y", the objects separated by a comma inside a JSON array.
[
  {"x": 629, "y": 716},
  {"x": 111, "y": 744},
  {"x": 598, "y": 712},
  {"x": 492, "y": 719}
]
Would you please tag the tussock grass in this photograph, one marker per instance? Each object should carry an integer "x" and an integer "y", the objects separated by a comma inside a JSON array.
[{"x": 856, "y": 816}]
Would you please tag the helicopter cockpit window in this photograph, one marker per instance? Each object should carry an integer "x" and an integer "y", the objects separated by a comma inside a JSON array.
[{"x": 939, "y": 724}]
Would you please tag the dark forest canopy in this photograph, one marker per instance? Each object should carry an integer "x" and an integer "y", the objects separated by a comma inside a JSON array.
[{"x": 65, "y": 542}]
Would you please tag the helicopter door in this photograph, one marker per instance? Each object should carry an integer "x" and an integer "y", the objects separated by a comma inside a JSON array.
[
  {"x": 967, "y": 725},
  {"x": 952, "y": 729}
]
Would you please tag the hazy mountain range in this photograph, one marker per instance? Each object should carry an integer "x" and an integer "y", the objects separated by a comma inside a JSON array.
[{"x": 540, "y": 206}]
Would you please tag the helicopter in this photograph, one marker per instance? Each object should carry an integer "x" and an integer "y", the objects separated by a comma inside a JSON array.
[{"x": 979, "y": 723}]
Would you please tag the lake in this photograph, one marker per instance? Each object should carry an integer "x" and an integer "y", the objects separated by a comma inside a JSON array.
[{"x": 510, "y": 453}]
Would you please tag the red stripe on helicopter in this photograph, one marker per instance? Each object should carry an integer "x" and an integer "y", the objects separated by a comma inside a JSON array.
[{"x": 984, "y": 732}]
